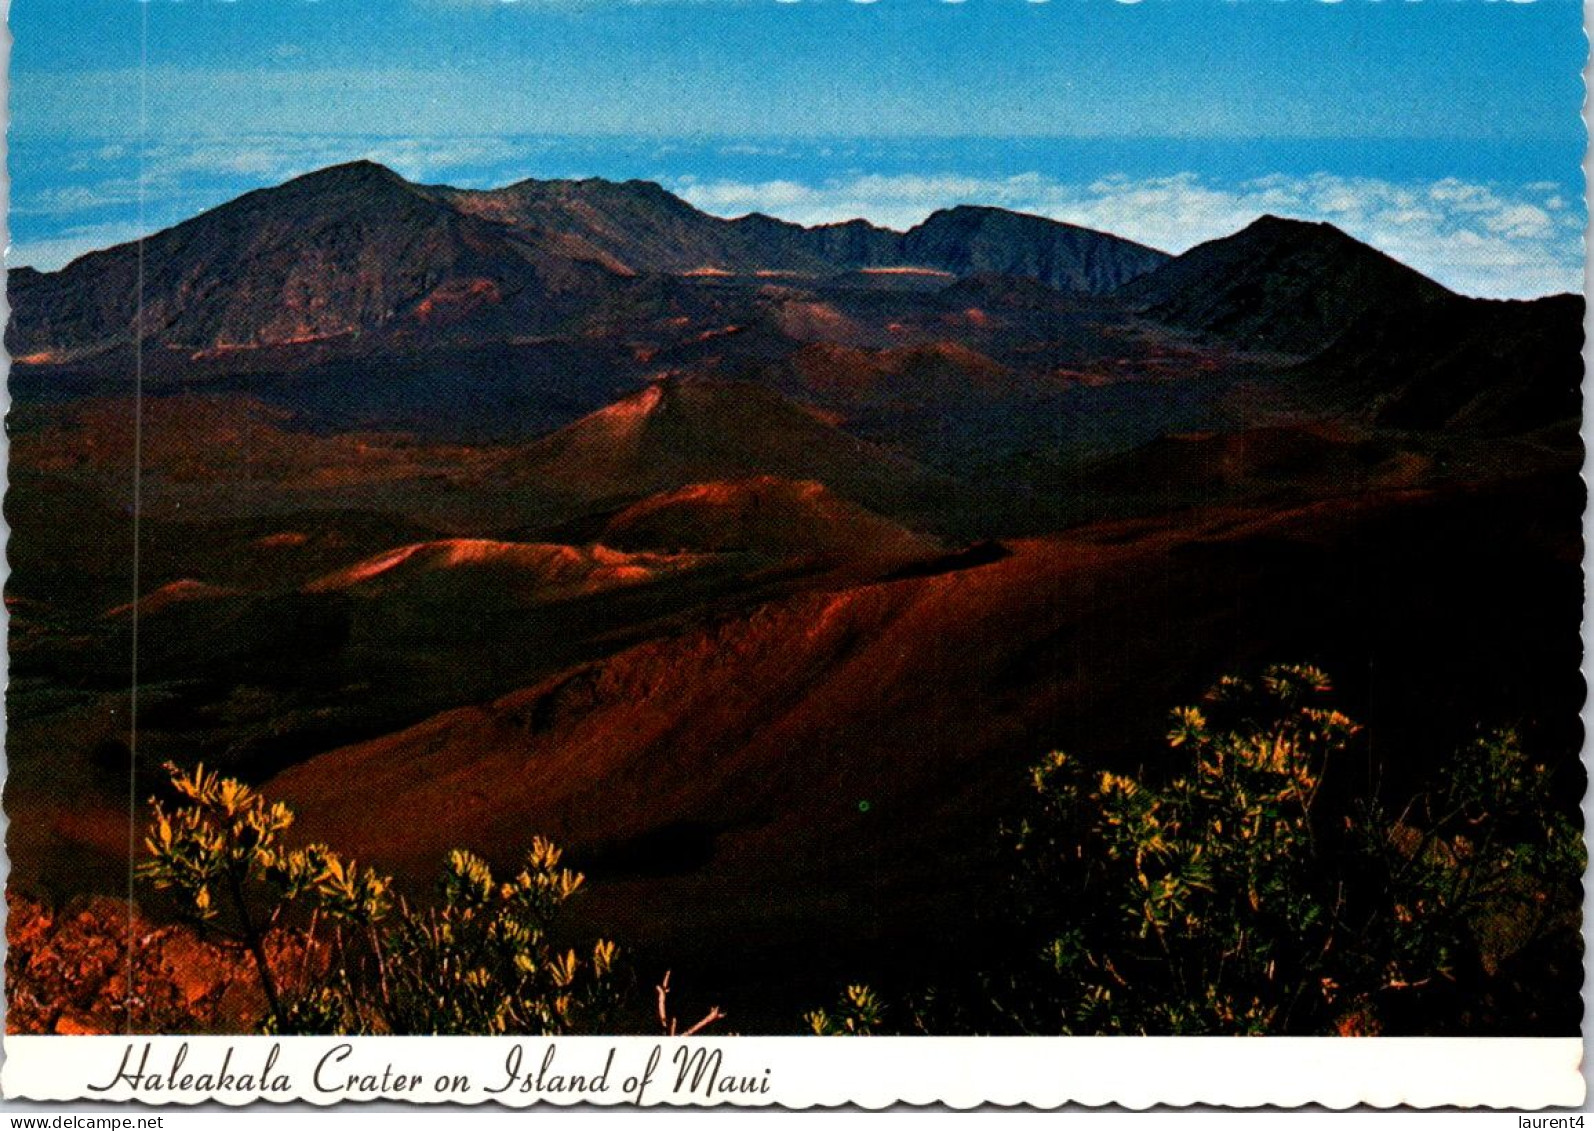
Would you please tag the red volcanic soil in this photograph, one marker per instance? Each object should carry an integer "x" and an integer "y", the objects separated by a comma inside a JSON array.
[
  {"x": 679, "y": 432},
  {"x": 763, "y": 514},
  {"x": 176, "y": 593},
  {"x": 814, "y": 787},
  {"x": 805, "y": 320},
  {"x": 906, "y": 370},
  {"x": 548, "y": 572},
  {"x": 207, "y": 450},
  {"x": 67, "y": 972},
  {"x": 456, "y": 299},
  {"x": 778, "y": 798}
]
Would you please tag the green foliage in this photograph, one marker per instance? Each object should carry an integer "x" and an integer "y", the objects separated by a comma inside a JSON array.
[
  {"x": 480, "y": 960},
  {"x": 1225, "y": 900},
  {"x": 858, "y": 1014},
  {"x": 1479, "y": 869}
]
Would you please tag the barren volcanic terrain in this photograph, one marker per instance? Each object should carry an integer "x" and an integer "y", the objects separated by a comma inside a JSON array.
[{"x": 754, "y": 564}]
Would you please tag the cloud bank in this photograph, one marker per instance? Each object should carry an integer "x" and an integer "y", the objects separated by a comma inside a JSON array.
[
  {"x": 1497, "y": 240},
  {"x": 1488, "y": 240}
]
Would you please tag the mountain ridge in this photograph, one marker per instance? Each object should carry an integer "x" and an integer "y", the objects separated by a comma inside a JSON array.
[
  {"x": 409, "y": 288},
  {"x": 356, "y": 249},
  {"x": 1280, "y": 285}
]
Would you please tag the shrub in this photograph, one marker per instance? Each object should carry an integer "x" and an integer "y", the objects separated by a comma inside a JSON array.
[
  {"x": 479, "y": 961},
  {"x": 859, "y": 1013},
  {"x": 1226, "y": 891},
  {"x": 1231, "y": 900}
]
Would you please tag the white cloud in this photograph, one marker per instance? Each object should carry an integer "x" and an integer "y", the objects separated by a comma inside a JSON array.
[
  {"x": 182, "y": 179},
  {"x": 78, "y": 198},
  {"x": 1520, "y": 220},
  {"x": 1490, "y": 240},
  {"x": 171, "y": 170},
  {"x": 1498, "y": 240},
  {"x": 270, "y": 159},
  {"x": 50, "y": 254}
]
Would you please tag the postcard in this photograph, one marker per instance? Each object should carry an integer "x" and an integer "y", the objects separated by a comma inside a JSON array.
[{"x": 671, "y": 552}]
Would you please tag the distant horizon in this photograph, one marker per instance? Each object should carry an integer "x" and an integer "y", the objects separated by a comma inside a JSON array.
[
  {"x": 1449, "y": 136},
  {"x": 905, "y": 201}
]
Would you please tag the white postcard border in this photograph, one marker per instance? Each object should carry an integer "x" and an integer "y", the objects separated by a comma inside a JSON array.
[{"x": 802, "y": 1072}]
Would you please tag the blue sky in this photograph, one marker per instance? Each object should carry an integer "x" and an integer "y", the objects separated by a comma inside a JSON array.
[{"x": 1446, "y": 131}]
